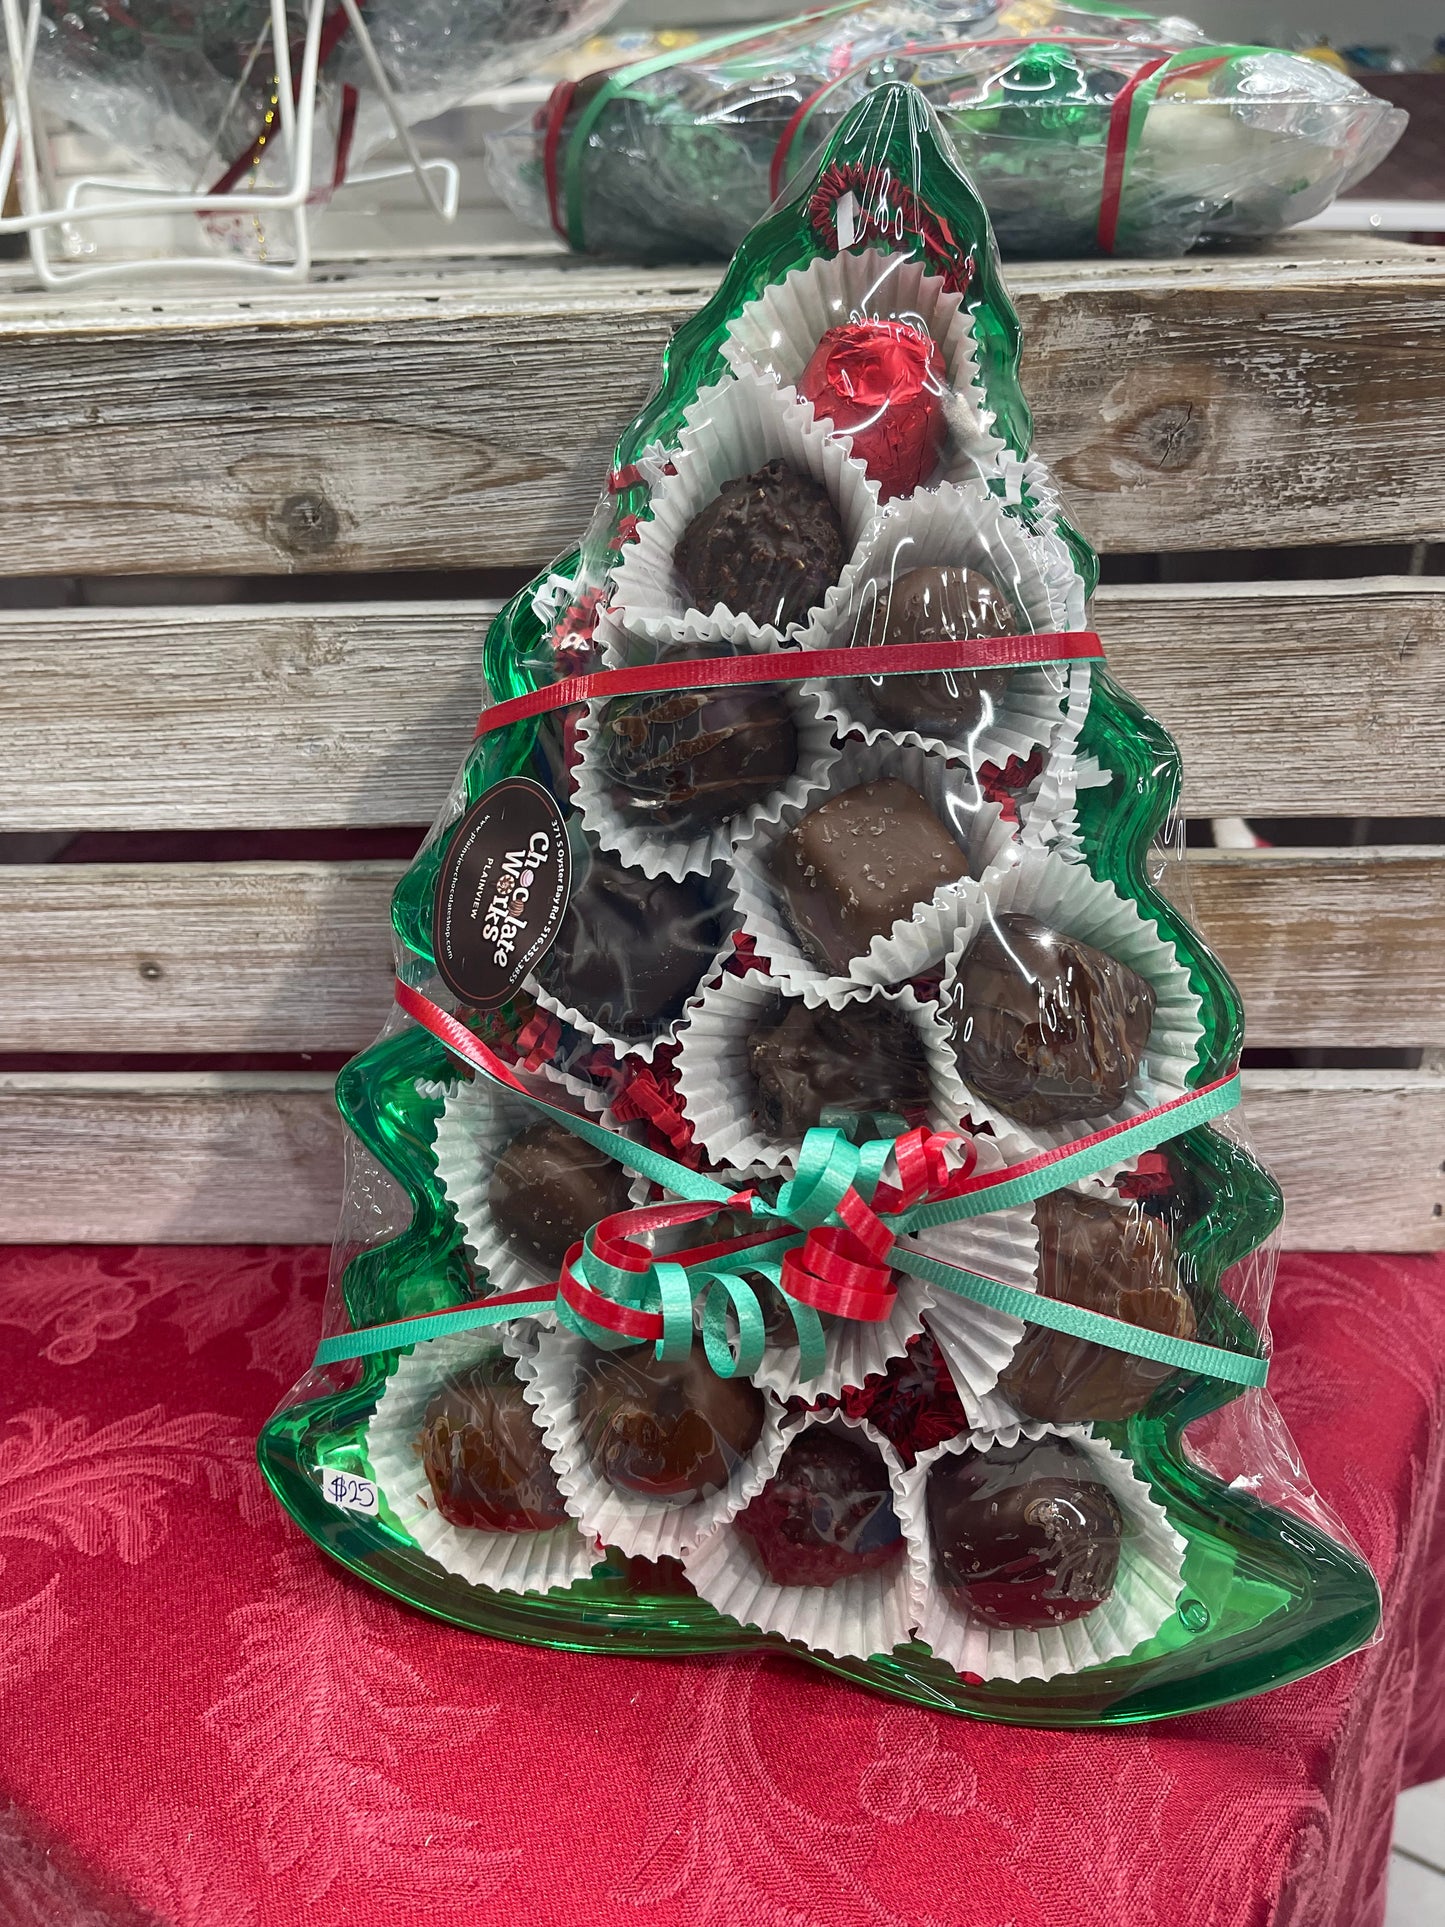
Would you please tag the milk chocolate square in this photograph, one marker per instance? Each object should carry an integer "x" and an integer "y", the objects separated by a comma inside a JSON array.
[{"x": 860, "y": 863}]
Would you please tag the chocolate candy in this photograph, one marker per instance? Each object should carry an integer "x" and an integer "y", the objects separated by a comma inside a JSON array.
[
  {"x": 769, "y": 546},
  {"x": 882, "y": 383},
  {"x": 1023, "y": 1535},
  {"x": 632, "y": 949},
  {"x": 1110, "y": 1258},
  {"x": 860, "y": 863},
  {"x": 1046, "y": 1027},
  {"x": 936, "y": 604},
  {"x": 689, "y": 758},
  {"x": 864, "y": 1057},
  {"x": 826, "y": 1514},
  {"x": 672, "y": 1431},
  {"x": 485, "y": 1458},
  {"x": 547, "y": 1188}
]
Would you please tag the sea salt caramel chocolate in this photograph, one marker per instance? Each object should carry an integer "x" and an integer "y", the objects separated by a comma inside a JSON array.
[{"x": 859, "y": 863}]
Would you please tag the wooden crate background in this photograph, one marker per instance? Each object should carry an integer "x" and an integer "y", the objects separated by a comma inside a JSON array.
[{"x": 203, "y": 496}]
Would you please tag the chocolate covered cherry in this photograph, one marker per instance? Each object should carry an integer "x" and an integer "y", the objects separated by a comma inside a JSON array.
[
  {"x": 1023, "y": 1535},
  {"x": 1046, "y": 1026},
  {"x": 484, "y": 1455},
  {"x": 882, "y": 383},
  {"x": 827, "y": 1512},
  {"x": 669, "y": 1430}
]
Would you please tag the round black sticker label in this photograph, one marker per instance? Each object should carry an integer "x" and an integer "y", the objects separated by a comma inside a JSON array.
[{"x": 502, "y": 892}]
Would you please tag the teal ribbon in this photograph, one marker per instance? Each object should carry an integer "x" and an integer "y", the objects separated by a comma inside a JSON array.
[{"x": 829, "y": 1166}]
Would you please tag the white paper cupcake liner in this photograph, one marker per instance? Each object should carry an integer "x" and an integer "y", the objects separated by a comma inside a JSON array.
[
  {"x": 477, "y": 1123},
  {"x": 658, "y": 852},
  {"x": 732, "y": 429},
  {"x": 1044, "y": 506},
  {"x": 1061, "y": 830},
  {"x": 507, "y": 1561},
  {"x": 964, "y": 525},
  {"x": 1067, "y": 896},
  {"x": 1024, "y": 718},
  {"x": 715, "y": 1081},
  {"x": 641, "y": 1528},
  {"x": 645, "y": 1048},
  {"x": 914, "y": 944},
  {"x": 1050, "y": 815},
  {"x": 1145, "y": 1594},
  {"x": 855, "y": 1350},
  {"x": 976, "y": 1341},
  {"x": 856, "y": 1617},
  {"x": 776, "y": 334}
]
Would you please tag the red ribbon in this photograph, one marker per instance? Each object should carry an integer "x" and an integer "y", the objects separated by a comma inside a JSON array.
[
  {"x": 1116, "y": 151},
  {"x": 554, "y": 118},
  {"x": 796, "y": 665},
  {"x": 842, "y": 1268}
]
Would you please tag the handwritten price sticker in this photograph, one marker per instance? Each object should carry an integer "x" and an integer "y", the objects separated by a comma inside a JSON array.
[{"x": 351, "y": 1494}]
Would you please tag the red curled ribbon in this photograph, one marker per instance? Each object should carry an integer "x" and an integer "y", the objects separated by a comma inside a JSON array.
[{"x": 842, "y": 1268}]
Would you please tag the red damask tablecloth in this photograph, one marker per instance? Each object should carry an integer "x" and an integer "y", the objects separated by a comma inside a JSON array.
[{"x": 204, "y": 1723}]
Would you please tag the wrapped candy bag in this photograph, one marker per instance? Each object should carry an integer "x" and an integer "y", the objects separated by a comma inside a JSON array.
[
  {"x": 791, "y": 1203},
  {"x": 1085, "y": 129},
  {"x": 190, "y": 91}
]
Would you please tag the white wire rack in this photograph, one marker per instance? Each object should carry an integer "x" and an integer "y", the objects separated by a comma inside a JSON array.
[{"x": 48, "y": 211}]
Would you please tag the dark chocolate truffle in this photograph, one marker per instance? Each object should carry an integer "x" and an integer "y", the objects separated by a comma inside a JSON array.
[
  {"x": 667, "y": 1430},
  {"x": 485, "y": 1457},
  {"x": 686, "y": 759},
  {"x": 548, "y": 1187},
  {"x": 936, "y": 604},
  {"x": 860, "y": 863},
  {"x": 770, "y": 545},
  {"x": 632, "y": 949},
  {"x": 826, "y": 1513},
  {"x": 1048, "y": 1028},
  {"x": 1109, "y": 1258},
  {"x": 1023, "y": 1536},
  {"x": 864, "y": 1057}
]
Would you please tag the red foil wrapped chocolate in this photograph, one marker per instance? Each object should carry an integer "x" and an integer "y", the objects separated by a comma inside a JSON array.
[{"x": 882, "y": 382}]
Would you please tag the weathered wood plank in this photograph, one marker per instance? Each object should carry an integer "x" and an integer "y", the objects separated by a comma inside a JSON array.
[
  {"x": 1317, "y": 699},
  {"x": 256, "y": 717},
  {"x": 419, "y": 422},
  {"x": 1360, "y": 1156},
  {"x": 1333, "y": 948},
  {"x": 1330, "y": 948},
  {"x": 195, "y": 957},
  {"x": 111, "y": 1158},
  {"x": 232, "y": 1158},
  {"x": 1291, "y": 698}
]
